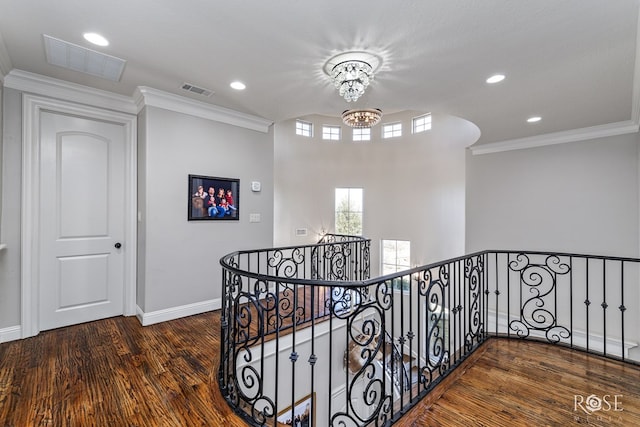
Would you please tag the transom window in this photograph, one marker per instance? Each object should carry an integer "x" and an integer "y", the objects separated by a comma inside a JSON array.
[
  {"x": 421, "y": 123},
  {"x": 331, "y": 132},
  {"x": 362, "y": 134},
  {"x": 392, "y": 130},
  {"x": 304, "y": 128},
  {"x": 349, "y": 211}
]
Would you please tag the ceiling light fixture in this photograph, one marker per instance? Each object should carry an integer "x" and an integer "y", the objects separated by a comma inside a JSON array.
[
  {"x": 496, "y": 78},
  {"x": 351, "y": 73},
  {"x": 238, "y": 85},
  {"x": 96, "y": 39},
  {"x": 362, "y": 118},
  {"x": 534, "y": 119}
]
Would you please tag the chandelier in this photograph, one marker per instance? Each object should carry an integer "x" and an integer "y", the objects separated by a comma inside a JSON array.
[
  {"x": 351, "y": 73},
  {"x": 362, "y": 118},
  {"x": 351, "y": 79}
]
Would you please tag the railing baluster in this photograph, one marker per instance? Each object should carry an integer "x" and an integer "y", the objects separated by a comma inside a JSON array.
[
  {"x": 604, "y": 306},
  {"x": 313, "y": 357},
  {"x": 508, "y": 296},
  {"x": 497, "y": 293},
  {"x": 294, "y": 356},
  {"x": 622, "y": 309},
  {"x": 587, "y": 303},
  {"x": 277, "y": 352},
  {"x": 571, "y": 299}
]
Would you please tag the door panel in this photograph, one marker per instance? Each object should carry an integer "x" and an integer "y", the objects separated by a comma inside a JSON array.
[
  {"x": 75, "y": 273},
  {"x": 81, "y": 214},
  {"x": 83, "y": 169}
]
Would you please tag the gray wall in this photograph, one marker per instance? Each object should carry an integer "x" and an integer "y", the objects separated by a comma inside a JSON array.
[
  {"x": 579, "y": 197},
  {"x": 179, "y": 259},
  {"x": 413, "y": 185},
  {"x": 10, "y": 216}
]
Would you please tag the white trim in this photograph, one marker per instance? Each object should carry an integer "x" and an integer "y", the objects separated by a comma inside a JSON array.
[
  {"x": 302, "y": 336},
  {"x": 11, "y": 333},
  {"x": 173, "y": 313},
  {"x": 146, "y": 96},
  {"x": 338, "y": 392},
  {"x": 583, "y": 134},
  {"x": 596, "y": 342},
  {"x": 32, "y": 107},
  {"x": 54, "y": 88}
]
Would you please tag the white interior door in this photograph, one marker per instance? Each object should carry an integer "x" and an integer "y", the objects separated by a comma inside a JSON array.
[{"x": 81, "y": 220}]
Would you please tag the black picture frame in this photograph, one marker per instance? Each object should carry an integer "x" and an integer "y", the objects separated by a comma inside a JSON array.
[
  {"x": 203, "y": 207},
  {"x": 304, "y": 411}
]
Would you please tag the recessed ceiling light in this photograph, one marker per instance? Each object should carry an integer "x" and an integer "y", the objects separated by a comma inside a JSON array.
[
  {"x": 238, "y": 85},
  {"x": 496, "y": 78},
  {"x": 534, "y": 119},
  {"x": 96, "y": 39}
]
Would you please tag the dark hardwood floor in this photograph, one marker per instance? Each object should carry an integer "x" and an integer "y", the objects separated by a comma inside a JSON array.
[
  {"x": 525, "y": 383},
  {"x": 115, "y": 372}
]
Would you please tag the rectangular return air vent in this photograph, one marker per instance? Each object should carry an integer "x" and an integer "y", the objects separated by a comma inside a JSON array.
[
  {"x": 195, "y": 89},
  {"x": 68, "y": 55}
]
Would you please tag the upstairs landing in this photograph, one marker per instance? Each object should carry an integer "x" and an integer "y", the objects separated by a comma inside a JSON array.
[
  {"x": 115, "y": 372},
  {"x": 522, "y": 383}
]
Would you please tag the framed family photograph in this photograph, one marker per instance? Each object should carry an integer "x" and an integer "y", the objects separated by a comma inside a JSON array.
[
  {"x": 302, "y": 415},
  {"x": 213, "y": 199}
]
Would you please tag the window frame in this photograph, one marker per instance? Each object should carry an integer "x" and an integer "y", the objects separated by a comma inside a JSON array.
[
  {"x": 304, "y": 128},
  {"x": 362, "y": 134},
  {"x": 401, "y": 285},
  {"x": 392, "y": 132},
  {"x": 350, "y": 213},
  {"x": 330, "y": 133},
  {"x": 421, "y": 127}
]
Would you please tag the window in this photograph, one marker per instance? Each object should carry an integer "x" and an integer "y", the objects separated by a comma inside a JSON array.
[
  {"x": 349, "y": 211},
  {"x": 421, "y": 123},
  {"x": 396, "y": 256},
  {"x": 362, "y": 134},
  {"x": 331, "y": 133},
  {"x": 391, "y": 130},
  {"x": 304, "y": 128}
]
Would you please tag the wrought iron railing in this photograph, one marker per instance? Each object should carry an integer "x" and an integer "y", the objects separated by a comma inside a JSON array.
[{"x": 306, "y": 333}]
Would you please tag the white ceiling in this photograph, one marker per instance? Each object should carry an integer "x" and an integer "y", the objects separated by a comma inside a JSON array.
[{"x": 573, "y": 62}]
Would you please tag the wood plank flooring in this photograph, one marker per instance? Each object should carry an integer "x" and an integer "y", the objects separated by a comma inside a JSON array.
[
  {"x": 115, "y": 372},
  {"x": 523, "y": 383}
]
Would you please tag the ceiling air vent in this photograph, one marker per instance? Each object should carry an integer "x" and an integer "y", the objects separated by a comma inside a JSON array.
[
  {"x": 195, "y": 89},
  {"x": 78, "y": 58}
]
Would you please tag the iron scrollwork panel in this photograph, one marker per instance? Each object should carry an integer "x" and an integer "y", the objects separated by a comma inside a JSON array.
[
  {"x": 366, "y": 383},
  {"x": 473, "y": 273},
  {"x": 432, "y": 287},
  {"x": 538, "y": 282}
]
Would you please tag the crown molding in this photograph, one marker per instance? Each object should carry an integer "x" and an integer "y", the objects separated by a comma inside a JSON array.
[
  {"x": 5, "y": 61},
  {"x": 60, "y": 89},
  {"x": 146, "y": 96},
  {"x": 574, "y": 135}
]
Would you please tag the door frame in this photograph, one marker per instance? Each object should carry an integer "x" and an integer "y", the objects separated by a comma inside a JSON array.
[{"x": 32, "y": 107}]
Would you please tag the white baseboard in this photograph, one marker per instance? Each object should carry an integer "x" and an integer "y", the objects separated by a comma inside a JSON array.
[
  {"x": 12, "y": 333},
  {"x": 596, "y": 342},
  {"x": 173, "y": 313}
]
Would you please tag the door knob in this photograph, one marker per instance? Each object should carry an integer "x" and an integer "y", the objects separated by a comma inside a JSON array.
[{"x": 118, "y": 245}]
